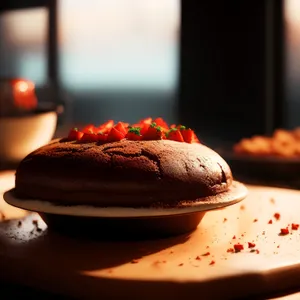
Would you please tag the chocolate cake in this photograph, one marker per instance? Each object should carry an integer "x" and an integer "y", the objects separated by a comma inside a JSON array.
[{"x": 122, "y": 173}]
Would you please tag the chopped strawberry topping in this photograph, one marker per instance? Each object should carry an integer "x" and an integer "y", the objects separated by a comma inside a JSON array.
[
  {"x": 160, "y": 122},
  {"x": 175, "y": 135},
  {"x": 134, "y": 134},
  {"x": 106, "y": 127},
  {"x": 146, "y": 129},
  {"x": 115, "y": 135},
  {"x": 153, "y": 133},
  {"x": 295, "y": 226},
  {"x": 120, "y": 127},
  {"x": 89, "y": 137},
  {"x": 89, "y": 129},
  {"x": 189, "y": 136},
  {"x": 102, "y": 137},
  {"x": 75, "y": 135}
]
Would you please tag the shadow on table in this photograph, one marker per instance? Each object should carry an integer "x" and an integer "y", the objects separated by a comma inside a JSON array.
[{"x": 27, "y": 239}]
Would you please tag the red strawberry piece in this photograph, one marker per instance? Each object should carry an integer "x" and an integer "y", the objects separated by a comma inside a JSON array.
[
  {"x": 133, "y": 136},
  {"x": 189, "y": 136},
  {"x": 120, "y": 127},
  {"x": 105, "y": 127},
  {"x": 144, "y": 128},
  {"x": 173, "y": 126},
  {"x": 175, "y": 135},
  {"x": 102, "y": 137},
  {"x": 126, "y": 125},
  {"x": 295, "y": 226},
  {"x": 160, "y": 122},
  {"x": 89, "y": 129},
  {"x": 115, "y": 135},
  {"x": 153, "y": 133},
  {"x": 75, "y": 135},
  {"x": 89, "y": 137},
  {"x": 146, "y": 121}
]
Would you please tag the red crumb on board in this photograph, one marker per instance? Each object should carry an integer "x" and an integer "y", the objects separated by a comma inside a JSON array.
[
  {"x": 134, "y": 261},
  {"x": 251, "y": 245},
  {"x": 284, "y": 231},
  {"x": 277, "y": 216},
  {"x": 238, "y": 247}
]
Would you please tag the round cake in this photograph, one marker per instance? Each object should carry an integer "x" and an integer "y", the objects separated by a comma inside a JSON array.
[{"x": 147, "y": 164}]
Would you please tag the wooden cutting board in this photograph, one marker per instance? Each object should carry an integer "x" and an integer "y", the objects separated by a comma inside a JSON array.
[{"x": 173, "y": 268}]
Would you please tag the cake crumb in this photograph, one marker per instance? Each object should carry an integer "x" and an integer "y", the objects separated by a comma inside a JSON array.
[
  {"x": 134, "y": 261},
  {"x": 255, "y": 220},
  {"x": 230, "y": 250},
  {"x": 242, "y": 207},
  {"x": 224, "y": 220},
  {"x": 206, "y": 254},
  {"x": 272, "y": 200},
  {"x": 19, "y": 224},
  {"x": 212, "y": 262},
  {"x": 180, "y": 265},
  {"x": 198, "y": 257}
]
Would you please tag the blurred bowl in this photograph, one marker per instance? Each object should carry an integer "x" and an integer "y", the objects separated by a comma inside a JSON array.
[{"x": 21, "y": 135}]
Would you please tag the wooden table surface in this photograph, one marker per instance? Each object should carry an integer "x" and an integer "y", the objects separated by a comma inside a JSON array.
[{"x": 172, "y": 268}]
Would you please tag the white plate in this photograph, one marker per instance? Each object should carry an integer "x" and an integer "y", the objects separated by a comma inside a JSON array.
[{"x": 235, "y": 194}]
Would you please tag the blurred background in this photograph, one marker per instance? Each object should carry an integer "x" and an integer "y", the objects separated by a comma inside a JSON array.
[{"x": 229, "y": 69}]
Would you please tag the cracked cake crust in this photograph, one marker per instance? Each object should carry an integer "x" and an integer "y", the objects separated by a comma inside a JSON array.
[{"x": 125, "y": 173}]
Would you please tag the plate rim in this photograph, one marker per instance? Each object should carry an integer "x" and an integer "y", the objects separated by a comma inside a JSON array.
[{"x": 237, "y": 193}]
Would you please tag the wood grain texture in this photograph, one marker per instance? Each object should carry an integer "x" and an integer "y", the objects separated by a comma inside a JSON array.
[{"x": 171, "y": 268}]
